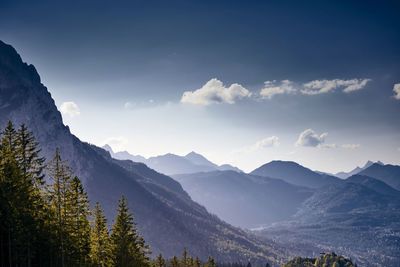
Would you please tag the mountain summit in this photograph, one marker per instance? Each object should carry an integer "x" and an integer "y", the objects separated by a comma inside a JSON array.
[
  {"x": 173, "y": 164},
  {"x": 294, "y": 173},
  {"x": 167, "y": 217}
]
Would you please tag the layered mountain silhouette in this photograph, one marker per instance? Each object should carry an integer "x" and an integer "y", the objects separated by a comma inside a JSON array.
[
  {"x": 390, "y": 174},
  {"x": 308, "y": 211},
  {"x": 166, "y": 215},
  {"x": 294, "y": 173},
  {"x": 356, "y": 170},
  {"x": 357, "y": 217},
  {"x": 242, "y": 199},
  {"x": 173, "y": 164}
]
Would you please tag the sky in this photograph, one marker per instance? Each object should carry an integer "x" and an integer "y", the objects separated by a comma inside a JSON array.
[{"x": 241, "y": 82}]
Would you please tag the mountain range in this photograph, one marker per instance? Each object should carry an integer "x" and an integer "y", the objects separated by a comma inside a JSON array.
[
  {"x": 344, "y": 175},
  {"x": 242, "y": 199},
  {"x": 309, "y": 211},
  {"x": 166, "y": 215},
  {"x": 358, "y": 217},
  {"x": 173, "y": 164},
  {"x": 303, "y": 211}
]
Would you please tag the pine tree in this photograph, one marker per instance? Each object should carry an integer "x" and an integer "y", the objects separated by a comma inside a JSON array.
[
  {"x": 159, "y": 261},
  {"x": 60, "y": 203},
  {"x": 20, "y": 199},
  {"x": 79, "y": 226},
  {"x": 10, "y": 187},
  {"x": 174, "y": 262},
  {"x": 31, "y": 166},
  {"x": 210, "y": 262},
  {"x": 128, "y": 247},
  {"x": 100, "y": 251},
  {"x": 184, "y": 259},
  {"x": 197, "y": 262}
]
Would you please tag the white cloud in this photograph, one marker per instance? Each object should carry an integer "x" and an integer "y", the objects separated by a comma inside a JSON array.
[
  {"x": 70, "y": 108},
  {"x": 129, "y": 105},
  {"x": 350, "y": 146},
  {"x": 396, "y": 90},
  {"x": 325, "y": 86},
  {"x": 272, "y": 141},
  {"x": 271, "y": 88},
  {"x": 268, "y": 142},
  {"x": 311, "y": 139},
  {"x": 117, "y": 143},
  {"x": 214, "y": 92}
]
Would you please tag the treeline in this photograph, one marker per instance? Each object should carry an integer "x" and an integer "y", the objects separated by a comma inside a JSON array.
[
  {"x": 52, "y": 224},
  {"x": 49, "y": 224},
  {"x": 326, "y": 260}
]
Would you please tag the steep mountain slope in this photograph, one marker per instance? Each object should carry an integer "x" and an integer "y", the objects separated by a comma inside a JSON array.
[
  {"x": 374, "y": 184},
  {"x": 167, "y": 217},
  {"x": 390, "y": 174},
  {"x": 242, "y": 199},
  {"x": 344, "y": 175},
  {"x": 349, "y": 218},
  {"x": 294, "y": 173}
]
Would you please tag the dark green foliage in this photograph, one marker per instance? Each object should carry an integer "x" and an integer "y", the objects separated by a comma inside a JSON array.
[
  {"x": 128, "y": 247},
  {"x": 326, "y": 260},
  {"x": 100, "y": 246}
]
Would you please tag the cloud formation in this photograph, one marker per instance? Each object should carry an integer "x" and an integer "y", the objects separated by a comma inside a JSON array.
[
  {"x": 268, "y": 142},
  {"x": 70, "y": 108},
  {"x": 311, "y": 139},
  {"x": 271, "y": 88},
  {"x": 214, "y": 92},
  {"x": 350, "y": 146},
  {"x": 396, "y": 90},
  {"x": 272, "y": 141},
  {"x": 325, "y": 86}
]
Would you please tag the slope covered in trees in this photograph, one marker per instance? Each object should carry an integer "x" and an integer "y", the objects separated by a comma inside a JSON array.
[
  {"x": 51, "y": 224},
  {"x": 326, "y": 260},
  {"x": 169, "y": 220}
]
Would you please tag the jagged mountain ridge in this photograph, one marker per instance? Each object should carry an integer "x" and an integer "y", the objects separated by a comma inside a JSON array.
[
  {"x": 167, "y": 217},
  {"x": 356, "y": 170},
  {"x": 173, "y": 164}
]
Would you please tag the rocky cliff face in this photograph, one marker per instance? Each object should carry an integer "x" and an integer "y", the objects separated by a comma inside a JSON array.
[{"x": 167, "y": 217}]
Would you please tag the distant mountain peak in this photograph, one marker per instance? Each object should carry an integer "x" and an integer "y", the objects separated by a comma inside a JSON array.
[
  {"x": 108, "y": 148},
  {"x": 294, "y": 173},
  {"x": 193, "y": 154},
  {"x": 370, "y": 163},
  {"x": 356, "y": 170}
]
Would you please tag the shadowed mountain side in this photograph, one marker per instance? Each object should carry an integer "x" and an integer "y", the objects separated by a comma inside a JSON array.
[
  {"x": 242, "y": 199},
  {"x": 390, "y": 174},
  {"x": 349, "y": 218},
  {"x": 374, "y": 184},
  {"x": 167, "y": 218},
  {"x": 294, "y": 173},
  {"x": 344, "y": 175}
]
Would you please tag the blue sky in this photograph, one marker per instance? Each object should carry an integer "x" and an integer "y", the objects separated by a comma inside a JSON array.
[{"x": 242, "y": 82}]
